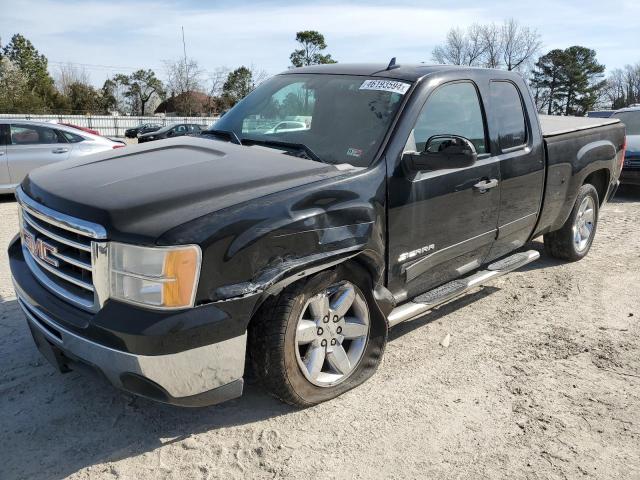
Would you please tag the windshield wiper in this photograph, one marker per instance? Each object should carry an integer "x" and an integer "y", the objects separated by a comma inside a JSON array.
[
  {"x": 300, "y": 147},
  {"x": 228, "y": 134}
]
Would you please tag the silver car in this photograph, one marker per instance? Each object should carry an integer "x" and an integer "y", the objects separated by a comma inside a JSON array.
[{"x": 25, "y": 145}]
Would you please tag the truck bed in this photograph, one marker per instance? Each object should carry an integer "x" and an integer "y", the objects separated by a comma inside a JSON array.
[{"x": 553, "y": 125}]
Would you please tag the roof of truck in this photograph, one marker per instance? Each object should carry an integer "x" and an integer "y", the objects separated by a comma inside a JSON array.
[{"x": 408, "y": 72}]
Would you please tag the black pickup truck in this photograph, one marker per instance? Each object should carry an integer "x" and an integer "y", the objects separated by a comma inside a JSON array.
[{"x": 395, "y": 189}]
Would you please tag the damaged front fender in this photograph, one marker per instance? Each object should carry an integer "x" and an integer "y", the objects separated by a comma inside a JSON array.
[{"x": 259, "y": 247}]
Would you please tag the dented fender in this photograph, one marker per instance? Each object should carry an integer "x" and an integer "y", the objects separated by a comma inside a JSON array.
[{"x": 257, "y": 248}]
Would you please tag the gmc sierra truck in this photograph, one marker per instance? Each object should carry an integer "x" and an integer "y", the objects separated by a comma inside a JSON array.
[{"x": 163, "y": 266}]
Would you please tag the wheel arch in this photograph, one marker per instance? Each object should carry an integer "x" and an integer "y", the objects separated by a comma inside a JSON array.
[
  {"x": 367, "y": 264},
  {"x": 600, "y": 180}
]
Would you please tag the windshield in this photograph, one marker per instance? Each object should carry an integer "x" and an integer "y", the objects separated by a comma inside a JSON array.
[
  {"x": 631, "y": 121},
  {"x": 340, "y": 118}
]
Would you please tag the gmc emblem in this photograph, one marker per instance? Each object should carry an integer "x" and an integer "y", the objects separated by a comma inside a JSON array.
[{"x": 40, "y": 249}]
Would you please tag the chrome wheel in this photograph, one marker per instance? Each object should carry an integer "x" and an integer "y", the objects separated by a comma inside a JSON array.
[
  {"x": 584, "y": 224},
  {"x": 331, "y": 334}
]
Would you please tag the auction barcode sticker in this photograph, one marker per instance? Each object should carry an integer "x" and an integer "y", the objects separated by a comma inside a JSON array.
[{"x": 386, "y": 86}]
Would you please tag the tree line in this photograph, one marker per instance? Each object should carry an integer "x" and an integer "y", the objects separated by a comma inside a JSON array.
[
  {"x": 28, "y": 86},
  {"x": 566, "y": 81}
]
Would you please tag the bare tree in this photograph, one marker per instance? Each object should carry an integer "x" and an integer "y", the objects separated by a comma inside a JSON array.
[
  {"x": 622, "y": 87},
  {"x": 519, "y": 45},
  {"x": 475, "y": 45},
  {"x": 216, "y": 81},
  {"x": 492, "y": 45},
  {"x": 454, "y": 49},
  {"x": 258, "y": 74},
  {"x": 183, "y": 75},
  {"x": 68, "y": 74},
  {"x": 509, "y": 46}
]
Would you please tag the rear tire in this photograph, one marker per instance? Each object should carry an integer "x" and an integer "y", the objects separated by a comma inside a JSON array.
[
  {"x": 304, "y": 368},
  {"x": 573, "y": 241}
]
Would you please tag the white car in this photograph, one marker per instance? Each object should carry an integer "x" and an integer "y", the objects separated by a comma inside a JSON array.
[
  {"x": 26, "y": 144},
  {"x": 287, "y": 126}
]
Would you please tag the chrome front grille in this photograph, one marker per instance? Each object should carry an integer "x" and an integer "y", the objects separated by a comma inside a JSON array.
[{"x": 66, "y": 255}]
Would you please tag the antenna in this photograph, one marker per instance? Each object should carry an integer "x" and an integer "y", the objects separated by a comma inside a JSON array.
[
  {"x": 186, "y": 71},
  {"x": 184, "y": 47},
  {"x": 392, "y": 64}
]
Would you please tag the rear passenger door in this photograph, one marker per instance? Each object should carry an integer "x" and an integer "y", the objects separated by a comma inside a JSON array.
[
  {"x": 517, "y": 141},
  {"x": 33, "y": 146}
]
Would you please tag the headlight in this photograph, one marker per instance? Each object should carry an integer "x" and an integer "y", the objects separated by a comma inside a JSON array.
[{"x": 159, "y": 277}]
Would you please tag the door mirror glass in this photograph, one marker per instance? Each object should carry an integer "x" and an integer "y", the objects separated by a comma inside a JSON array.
[{"x": 441, "y": 152}]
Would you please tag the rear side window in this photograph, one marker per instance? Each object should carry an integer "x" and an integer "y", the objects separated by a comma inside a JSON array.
[
  {"x": 453, "y": 109},
  {"x": 33, "y": 135},
  {"x": 507, "y": 108},
  {"x": 72, "y": 137}
]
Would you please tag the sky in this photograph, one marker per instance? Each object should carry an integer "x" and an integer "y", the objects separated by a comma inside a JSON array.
[{"x": 112, "y": 36}]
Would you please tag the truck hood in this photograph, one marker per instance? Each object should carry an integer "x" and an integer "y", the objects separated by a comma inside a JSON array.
[{"x": 139, "y": 192}]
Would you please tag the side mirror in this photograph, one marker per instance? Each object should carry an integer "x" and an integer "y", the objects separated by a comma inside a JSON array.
[{"x": 443, "y": 151}]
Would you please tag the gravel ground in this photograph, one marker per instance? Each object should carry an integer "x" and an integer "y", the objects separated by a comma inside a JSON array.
[{"x": 541, "y": 380}]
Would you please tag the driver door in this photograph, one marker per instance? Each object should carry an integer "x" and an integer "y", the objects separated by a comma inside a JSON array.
[{"x": 442, "y": 223}]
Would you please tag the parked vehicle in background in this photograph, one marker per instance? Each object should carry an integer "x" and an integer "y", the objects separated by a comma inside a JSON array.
[
  {"x": 631, "y": 169},
  {"x": 94, "y": 132},
  {"x": 170, "y": 131},
  {"x": 78, "y": 127},
  {"x": 287, "y": 126},
  {"x": 600, "y": 113},
  {"x": 299, "y": 250},
  {"x": 141, "y": 129},
  {"x": 25, "y": 145}
]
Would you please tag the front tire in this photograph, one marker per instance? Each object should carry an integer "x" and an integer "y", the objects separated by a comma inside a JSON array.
[
  {"x": 573, "y": 241},
  {"x": 321, "y": 337}
]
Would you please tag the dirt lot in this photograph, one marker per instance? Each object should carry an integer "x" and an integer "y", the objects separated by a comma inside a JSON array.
[{"x": 541, "y": 380}]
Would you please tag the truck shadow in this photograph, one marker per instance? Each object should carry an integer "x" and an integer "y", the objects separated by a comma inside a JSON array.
[
  {"x": 56, "y": 424},
  {"x": 627, "y": 194},
  {"x": 76, "y": 420},
  {"x": 7, "y": 198},
  {"x": 441, "y": 311}
]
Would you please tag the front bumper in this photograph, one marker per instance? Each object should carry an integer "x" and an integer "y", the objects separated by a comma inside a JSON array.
[{"x": 192, "y": 374}]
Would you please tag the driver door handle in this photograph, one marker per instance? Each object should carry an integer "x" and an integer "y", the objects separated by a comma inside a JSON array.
[
  {"x": 60, "y": 150},
  {"x": 485, "y": 185}
]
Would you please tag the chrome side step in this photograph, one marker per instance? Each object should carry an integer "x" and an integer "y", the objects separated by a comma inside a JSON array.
[{"x": 455, "y": 288}]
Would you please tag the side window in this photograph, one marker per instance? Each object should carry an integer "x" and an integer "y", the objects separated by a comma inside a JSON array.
[
  {"x": 71, "y": 137},
  {"x": 453, "y": 109},
  {"x": 506, "y": 105},
  {"x": 181, "y": 129},
  {"x": 33, "y": 135}
]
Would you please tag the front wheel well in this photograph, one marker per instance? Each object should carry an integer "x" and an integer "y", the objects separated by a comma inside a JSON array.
[
  {"x": 600, "y": 180},
  {"x": 363, "y": 265}
]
